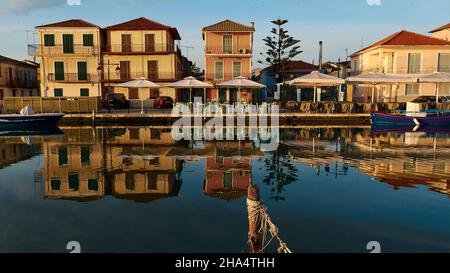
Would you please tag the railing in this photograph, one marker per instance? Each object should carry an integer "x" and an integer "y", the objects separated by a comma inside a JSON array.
[
  {"x": 72, "y": 77},
  {"x": 139, "y": 48},
  {"x": 226, "y": 77},
  {"x": 228, "y": 50},
  {"x": 159, "y": 76},
  {"x": 42, "y": 50},
  {"x": 402, "y": 69},
  {"x": 51, "y": 105},
  {"x": 21, "y": 82}
]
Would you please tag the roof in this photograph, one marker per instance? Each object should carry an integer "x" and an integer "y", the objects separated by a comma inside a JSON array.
[
  {"x": 4, "y": 59},
  {"x": 441, "y": 28},
  {"x": 77, "y": 23},
  {"x": 143, "y": 23},
  {"x": 228, "y": 25},
  {"x": 294, "y": 66},
  {"x": 406, "y": 38}
]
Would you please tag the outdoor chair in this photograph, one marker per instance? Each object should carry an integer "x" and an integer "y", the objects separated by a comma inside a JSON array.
[
  {"x": 314, "y": 107},
  {"x": 292, "y": 106},
  {"x": 305, "y": 107}
]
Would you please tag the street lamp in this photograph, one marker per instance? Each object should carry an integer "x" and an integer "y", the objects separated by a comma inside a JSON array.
[{"x": 100, "y": 70}]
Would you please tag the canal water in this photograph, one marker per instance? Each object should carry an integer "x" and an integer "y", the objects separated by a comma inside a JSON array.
[{"x": 137, "y": 190}]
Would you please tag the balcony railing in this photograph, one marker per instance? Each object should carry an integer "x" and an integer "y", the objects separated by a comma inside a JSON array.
[
  {"x": 240, "y": 50},
  {"x": 211, "y": 77},
  {"x": 21, "y": 82},
  {"x": 402, "y": 70},
  {"x": 155, "y": 77},
  {"x": 42, "y": 50},
  {"x": 139, "y": 48},
  {"x": 72, "y": 77}
]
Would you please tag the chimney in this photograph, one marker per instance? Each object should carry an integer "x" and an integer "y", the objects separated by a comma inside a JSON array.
[
  {"x": 320, "y": 55},
  {"x": 252, "y": 24}
]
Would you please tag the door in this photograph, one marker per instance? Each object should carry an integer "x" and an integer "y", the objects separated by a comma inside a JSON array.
[
  {"x": 126, "y": 43},
  {"x": 233, "y": 95},
  {"x": 59, "y": 71},
  {"x": 227, "y": 44},
  {"x": 68, "y": 43},
  {"x": 149, "y": 42},
  {"x": 82, "y": 71},
  {"x": 125, "y": 71},
  {"x": 10, "y": 75},
  {"x": 152, "y": 68}
]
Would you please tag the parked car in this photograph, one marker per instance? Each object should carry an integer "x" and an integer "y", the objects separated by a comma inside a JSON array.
[
  {"x": 163, "y": 102},
  {"x": 423, "y": 99},
  {"x": 116, "y": 101}
]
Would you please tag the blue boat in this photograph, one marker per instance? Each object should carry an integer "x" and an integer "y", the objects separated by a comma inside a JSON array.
[
  {"x": 399, "y": 120},
  {"x": 32, "y": 122}
]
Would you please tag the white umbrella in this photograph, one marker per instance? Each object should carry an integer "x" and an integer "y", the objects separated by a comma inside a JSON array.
[
  {"x": 375, "y": 78},
  {"x": 139, "y": 83},
  {"x": 190, "y": 82},
  {"x": 317, "y": 79},
  {"x": 240, "y": 82},
  {"x": 437, "y": 78}
]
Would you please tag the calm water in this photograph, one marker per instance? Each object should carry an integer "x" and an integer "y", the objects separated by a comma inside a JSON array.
[{"x": 136, "y": 190}]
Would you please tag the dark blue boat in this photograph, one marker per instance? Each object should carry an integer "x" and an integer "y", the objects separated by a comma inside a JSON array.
[
  {"x": 431, "y": 120},
  {"x": 32, "y": 122}
]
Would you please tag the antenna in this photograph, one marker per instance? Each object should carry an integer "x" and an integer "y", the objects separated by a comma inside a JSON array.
[{"x": 187, "y": 50}]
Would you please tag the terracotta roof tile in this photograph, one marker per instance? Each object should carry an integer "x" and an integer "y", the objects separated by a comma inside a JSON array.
[
  {"x": 406, "y": 38},
  {"x": 78, "y": 23},
  {"x": 144, "y": 24},
  {"x": 441, "y": 28},
  {"x": 228, "y": 25}
]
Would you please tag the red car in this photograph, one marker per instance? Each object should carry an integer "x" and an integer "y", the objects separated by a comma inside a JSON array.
[{"x": 163, "y": 103}]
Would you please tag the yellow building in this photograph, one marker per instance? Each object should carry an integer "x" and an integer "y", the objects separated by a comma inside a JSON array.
[
  {"x": 442, "y": 32},
  {"x": 69, "y": 55},
  {"x": 17, "y": 78},
  {"x": 142, "y": 48},
  {"x": 403, "y": 52}
]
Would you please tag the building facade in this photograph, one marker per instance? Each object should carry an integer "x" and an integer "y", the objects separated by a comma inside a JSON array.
[
  {"x": 228, "y": 54},
  {"x": 79, "y": 58},
  {"x": 442, "y": 32},
  {"x": 403, "y": 52},
  {"x": 17, "y": 78}
]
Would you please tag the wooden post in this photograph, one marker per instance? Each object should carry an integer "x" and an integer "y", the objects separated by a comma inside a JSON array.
[{"x": 254, "y": 219}]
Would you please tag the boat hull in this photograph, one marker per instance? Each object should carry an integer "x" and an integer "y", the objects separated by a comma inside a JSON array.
[
  {"x": 385, "y": 119},
  {"x": 39, "y": 121}
]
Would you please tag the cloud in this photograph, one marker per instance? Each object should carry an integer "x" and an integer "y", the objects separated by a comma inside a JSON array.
[
  {"x": 374, "y": 2},
  {"x": 24, "y": 6}
]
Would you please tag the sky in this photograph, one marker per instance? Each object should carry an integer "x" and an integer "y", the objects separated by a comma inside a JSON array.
[{"x": 341, "y": 24}]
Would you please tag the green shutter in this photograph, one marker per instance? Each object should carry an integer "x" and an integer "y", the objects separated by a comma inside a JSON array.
[
  {"x": 88, "y": 40},
  {"x": 49, "y": 40},
  {"x": 82, "y": 71},
  {"x": 85, "y": 154},
  {"x": 59, "y": 92},
  {"x": 74, "y": 182},
  {"x": 59, "y": 71},
  {"x": 55, "y": 184},
  {"x": 84, "y": 92},
  {"x": 62, "y": 156},
  {"x": 93, "y": 184},
  {"x": 68, "y": 43}
]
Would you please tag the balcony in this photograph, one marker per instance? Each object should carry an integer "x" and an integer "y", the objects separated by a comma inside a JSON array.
[
  {"x": 72, "y": 78},
  {"x": 22, "y": 83},
  {"x": 139, "y": 48},
  {"x": 160, "y": 76},
  {"x": 211, "y": 77},
  {"x": 60, "y": 50},
  {"x": 402, "y": 70},
  {"x": 235, "y": 50}
]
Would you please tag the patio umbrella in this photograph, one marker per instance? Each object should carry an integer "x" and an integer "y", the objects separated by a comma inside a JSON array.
[
  {"x": 240, "y": 82},
  {"x": 437, "y": 78},
  {"x": 317, "y": 79},
  {"x": 139, "y": 83},
  {"x": 375, "y": 78},
  {"x": 190, "y": 82}
]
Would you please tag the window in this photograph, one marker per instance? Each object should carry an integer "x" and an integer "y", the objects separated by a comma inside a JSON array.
[
  {"x": 149, "y": 42},
  {"x": 155, "y": 134},
  {"x": 82, "y": 71},
  {"x": 85, "y": 154},
  {"x": 49, "y": 40},
  {"x": 228, "y": 44},
  {"x": 414, "y": 63},
  {"x": 68, "y": 43},
  {"x": 125, "y": 71},
  {"x": 152, "y": 181},
  {"x": 129, "y": 181},
  {"x": 2, "y": 94},
  {"x": 412, "y": 89},
  {"x": 152, "y": 69},
  {"x": 133, "y": 93},
  {"x": 62, "y": 156},
  {"x": 228, "y": 181},
  {"x": 55, "y": 184},
  {"x": 59, "y": 92},
  {"x": 237, "y": 69},
  {"x": 59, "y": 71},
  {"x": 126, "y": 42},
  {"x": 154, "y": 93},
  {"x": 84, "y": 92},
  {"x": 88, "y": 40},
  {"x": 134, "y": 133},
  {"x": 74, "y": 182},
  {"x": 444, "y": 62},
  {"x": 93, "y": 184},
  {"x": 219, "y": 71}
]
